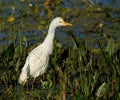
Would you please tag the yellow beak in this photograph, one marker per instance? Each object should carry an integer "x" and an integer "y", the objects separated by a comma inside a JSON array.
[{"x": 66, "y": 24}]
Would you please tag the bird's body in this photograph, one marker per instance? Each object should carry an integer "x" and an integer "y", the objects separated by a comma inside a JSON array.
[{"x": 37, "y": 60}]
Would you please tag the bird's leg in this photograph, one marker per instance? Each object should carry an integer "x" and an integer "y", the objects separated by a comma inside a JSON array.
[
  {"x": 27, "y": 86},
  {"x": 33, "y": 83}
]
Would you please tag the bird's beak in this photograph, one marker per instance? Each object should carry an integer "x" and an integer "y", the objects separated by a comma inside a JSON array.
[{"x": 66, "y": 24}]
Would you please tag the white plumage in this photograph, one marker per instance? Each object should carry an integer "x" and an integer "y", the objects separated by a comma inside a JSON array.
[{"x": 37, "y": 60}]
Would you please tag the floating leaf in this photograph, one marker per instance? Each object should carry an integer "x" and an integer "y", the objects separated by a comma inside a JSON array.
[
  {"x": 42, "y": 22},
  {"x": 40, "y": 27},
  {"x": 11, "y": 19}
]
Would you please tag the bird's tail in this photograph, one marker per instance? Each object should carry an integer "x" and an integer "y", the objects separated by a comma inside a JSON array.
[{"x": 24, "y": 74}]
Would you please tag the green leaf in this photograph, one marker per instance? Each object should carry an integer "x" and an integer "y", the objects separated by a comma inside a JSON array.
[
  {"x": 102, "y": 90},
  {"x": 110, "y": 46},
  {"x": 49, "y": 81},
  {"x": 17, "y": 65}
]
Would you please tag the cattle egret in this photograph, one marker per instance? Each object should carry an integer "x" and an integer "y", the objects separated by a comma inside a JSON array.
[{"x": 37, "y": 60}]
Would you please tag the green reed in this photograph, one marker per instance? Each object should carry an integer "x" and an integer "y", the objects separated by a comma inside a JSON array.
[{"x": 77, "y": 72}]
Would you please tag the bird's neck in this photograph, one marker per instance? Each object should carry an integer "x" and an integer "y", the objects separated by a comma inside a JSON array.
[{"x": 50, "y": 36}]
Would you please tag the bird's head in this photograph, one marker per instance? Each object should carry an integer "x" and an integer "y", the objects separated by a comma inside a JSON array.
[{"x": 58, "y": 21}]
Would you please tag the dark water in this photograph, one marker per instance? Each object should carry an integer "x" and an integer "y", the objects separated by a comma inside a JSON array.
[{"x": 83, "y": 25}]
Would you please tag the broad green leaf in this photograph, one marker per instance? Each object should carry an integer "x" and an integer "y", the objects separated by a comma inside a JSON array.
[{"x": 101, "y": 90}]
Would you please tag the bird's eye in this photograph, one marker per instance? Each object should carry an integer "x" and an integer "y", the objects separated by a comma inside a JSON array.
[{"x": 59, "y": 21}]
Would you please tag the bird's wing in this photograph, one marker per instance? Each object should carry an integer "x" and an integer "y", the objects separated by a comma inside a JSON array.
[{"x": 38, "y": 60}]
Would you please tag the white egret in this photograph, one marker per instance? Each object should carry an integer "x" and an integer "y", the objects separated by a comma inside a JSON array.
[{"x": 37, "y": 60}]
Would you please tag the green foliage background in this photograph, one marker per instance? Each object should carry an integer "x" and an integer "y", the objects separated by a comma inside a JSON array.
[{"x": 79, "y": 70}]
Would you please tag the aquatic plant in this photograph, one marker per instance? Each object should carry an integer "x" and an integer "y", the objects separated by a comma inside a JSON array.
[{"x": 85, "y": 65}]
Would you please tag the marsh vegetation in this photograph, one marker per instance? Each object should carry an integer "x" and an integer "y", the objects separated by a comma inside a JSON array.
[{"x": 85, "y": 64}]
